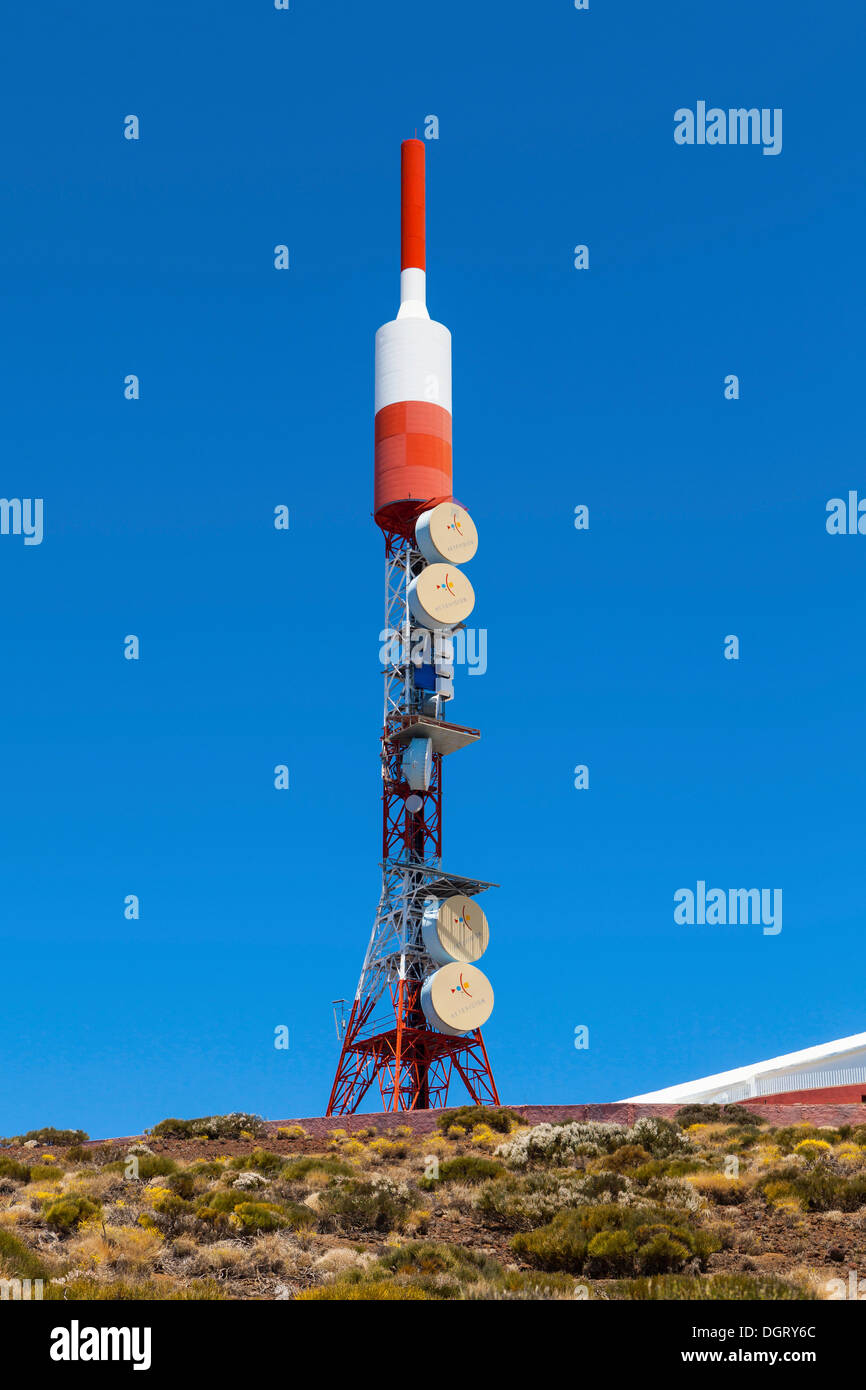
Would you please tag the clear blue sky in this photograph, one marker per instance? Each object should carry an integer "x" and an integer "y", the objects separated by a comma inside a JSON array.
[{"x": 605, "y": 387}]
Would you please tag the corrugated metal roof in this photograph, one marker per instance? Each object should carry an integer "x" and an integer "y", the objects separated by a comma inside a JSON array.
[{"x": 792, "y": 1071}]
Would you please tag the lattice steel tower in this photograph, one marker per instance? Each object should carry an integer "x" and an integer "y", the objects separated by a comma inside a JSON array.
[{"x": 415, "y": 1021}]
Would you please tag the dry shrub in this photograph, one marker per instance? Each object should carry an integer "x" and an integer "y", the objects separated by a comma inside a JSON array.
[
  {"x": 341, "y": 1258},
  {"x": 218, "y": 1260},
  {"x": 276, "y": 1252},
  {"x": 125, "y": 1250},
  {"x": 726, "y": 1192},
  {"x": 98, "y": 1184}
]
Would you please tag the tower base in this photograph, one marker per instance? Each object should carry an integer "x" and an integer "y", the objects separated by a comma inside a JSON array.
[{"x": 413, "y": 1066}]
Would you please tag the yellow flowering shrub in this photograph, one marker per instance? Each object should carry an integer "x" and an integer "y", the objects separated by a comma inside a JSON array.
[
  {"x": 484, "y": 1137},
  {"x": 812, "y": 1148}
]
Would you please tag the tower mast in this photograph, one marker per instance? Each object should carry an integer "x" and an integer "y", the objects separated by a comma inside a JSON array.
[{"x": 415, "y": 1021}]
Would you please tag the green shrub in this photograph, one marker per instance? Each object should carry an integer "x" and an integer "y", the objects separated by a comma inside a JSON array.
[
  {"x": 818, "y": 1188},
  {"x": 49, "y": 1135},
  {"x": 677, "y": 1287},
  {"x": 716, "y": 1114},
  {"x": 468, "y": 1168},
  {"x": 69, "y": 1210},
  {"x": 260, "y": 1159},
  {"x": 299, "y": 1168},
  {"x": 789, "y": 1136},
  {"x": 172, "y": 1205},
  {"x": 627, "y": 1157},
  {"x": 222, "y": 1201},
  {"x": 210, "y": 1127},
  {"x": 661, "y": 1254},
  {"x": 149, "y": 1166},
  {"x": 519, "y": 1203},
  {"x": 499, "y": 1118},
  {"x": 10, "y": 1168},
  {"x": 77, "y": 1153},
  {"x": 355, "y": 1204},
  {"x": 205, "y": 1168},
  {"x": 183, "y": 1183},
  {"x": 739, "y": 1138},
  {"x": 859, "y": 1135},
  {"x": 669, "y": 1168},
  {"x": 605, "y": 1186},
  {"x": 560, "y": 1245},
  {"x": 44, "y": 1172},
  {"x": 260, "y": 1216},
  {"x": 569, "y": 1242},
  {"x": 526, "y": 1286},
  {"x": 375, "y": 1291},
  {"x": 298, "y": 1217},
  {"x": 661, "y": 1137},
  {"x": 437, "y": 1261},
  {"x": 118, "y": 1290},
  {"x": 610, "y": 1253},
  {"x": 18, "y": 1261},
  {"x": 173, "y": 1211},
  {"x": 172, "y": 1129},
  {"x": 155, "y": 1166},
  {"x": 103, "y": 1154},
  {"x": 215, "y": 1208}
]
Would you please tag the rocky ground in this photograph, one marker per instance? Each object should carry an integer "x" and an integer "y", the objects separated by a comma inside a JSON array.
[{"x": 484, "y": 1207}]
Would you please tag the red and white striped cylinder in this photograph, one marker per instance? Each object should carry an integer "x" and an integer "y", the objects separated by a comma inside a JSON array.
[{"x": 413, "y": 377}]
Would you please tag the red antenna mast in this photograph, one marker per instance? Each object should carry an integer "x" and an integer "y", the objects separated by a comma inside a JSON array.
[{"x": 415, "y": 1022}]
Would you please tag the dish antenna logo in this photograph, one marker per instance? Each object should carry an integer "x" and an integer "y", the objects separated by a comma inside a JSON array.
[{"x": 461, "y": 988}]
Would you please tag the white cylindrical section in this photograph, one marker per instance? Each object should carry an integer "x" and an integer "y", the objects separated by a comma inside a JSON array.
[
  {"x": 413, "y": 362},
  {"x": 417, "y": 763},
  {"x": 413, "y": 294},
  {"x": 456, "y": 999}
]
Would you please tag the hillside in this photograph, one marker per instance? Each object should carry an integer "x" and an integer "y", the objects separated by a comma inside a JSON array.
[{"x": 710, "y": 1205}]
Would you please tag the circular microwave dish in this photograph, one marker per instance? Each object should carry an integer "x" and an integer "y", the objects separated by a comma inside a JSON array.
[
  {"x": 454, "y": 929},
  {"x": 456, "y": 999}
]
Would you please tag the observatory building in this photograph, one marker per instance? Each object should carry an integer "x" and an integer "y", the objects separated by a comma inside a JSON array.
[
  {"x": 415, "y": 1023},
  {"x": 833, "y": 1072}
]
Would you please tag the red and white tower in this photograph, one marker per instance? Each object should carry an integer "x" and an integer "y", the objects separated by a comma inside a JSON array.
[{"x": 415, "y": 1024}]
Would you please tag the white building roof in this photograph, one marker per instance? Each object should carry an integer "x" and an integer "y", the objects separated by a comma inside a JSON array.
[{"x": 837, "y": 1063}]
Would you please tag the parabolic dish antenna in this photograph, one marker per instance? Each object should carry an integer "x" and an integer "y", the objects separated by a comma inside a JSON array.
[
  {"x": 454, "y": 930},
  {"x": 457, "y": 998},
  {"x": 441, "y": 596},
  {"x": 446, "y": 533}
]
